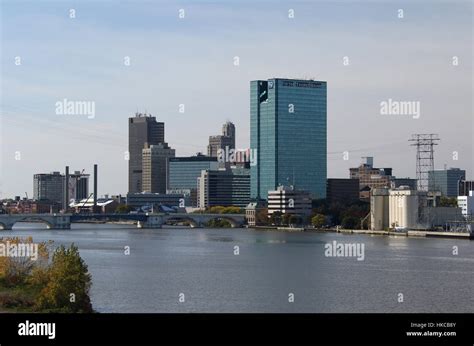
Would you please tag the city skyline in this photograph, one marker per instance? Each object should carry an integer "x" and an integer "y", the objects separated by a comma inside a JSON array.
[{"x": 355, "y": 91}]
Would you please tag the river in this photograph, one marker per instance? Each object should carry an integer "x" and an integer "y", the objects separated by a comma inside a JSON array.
[{"x": 239, "y": 270}]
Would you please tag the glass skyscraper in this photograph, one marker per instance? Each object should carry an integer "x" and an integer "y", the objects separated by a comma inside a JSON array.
[
  {"x": 288, "y": 121},
  {"x": 446, "y": 181}
]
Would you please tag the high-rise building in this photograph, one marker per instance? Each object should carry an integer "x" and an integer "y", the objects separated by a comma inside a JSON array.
[
  {"x": 142, "y": 129},
  {"x": 228, "y": 130},
  {"x": 230, "y": 187},
  {"x": 184, "y": 172},
  {"x": 78, "y": 186},
  {"x": 446, "y": 181},
  {"x": 221, "y": 142},
  {"x": 155, "y": 163},
  {"x": 48, "y": 186},
  {"x": 288, "y": 120}
]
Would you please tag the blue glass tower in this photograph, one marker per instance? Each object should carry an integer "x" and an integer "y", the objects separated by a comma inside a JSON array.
[{"x": 288, "y": 121}]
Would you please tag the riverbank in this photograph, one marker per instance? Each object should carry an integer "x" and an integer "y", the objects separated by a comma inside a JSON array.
[{"x": 410, "y": 233}]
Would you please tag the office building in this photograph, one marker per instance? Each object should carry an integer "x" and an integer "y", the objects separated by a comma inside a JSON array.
[
  {"x": 370, "y": 177},
  {"x": 78, "y": 186},
  {"x": 343, "y": 191},
  {"x": 466, "y": 203},
  {"x": 288, "y": 131},
  {"x": 465, "y": 186},
  {"x": 155, "y": 162},
  {"x": 48, "y": 186},
  {"x": 446, "y": 181},
  {"x": 139, "y": 200},
  {"x": 288, "y": 200},
  {"x": 142, "y": 129},
  {"x": 229, "y": 187},
  {"x": 221, "y": 142},
  {"x": 412, "y": 183},
  {"x": 184, "y": 172}
]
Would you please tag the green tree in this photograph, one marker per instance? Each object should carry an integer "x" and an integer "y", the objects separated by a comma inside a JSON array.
[
  {"x": 294, "y": 219},
  {"x": 349, "y": 222},
  {"x": 68, "y": 284},
  {"x": 448, "y": 202},
  {"x": 276, "y": 218},
  {"x": 318, "y": 220},
  {"x": 261, "y": 217},
  {"x": 123, "y": 209},
  {"x": 285, "y": 219}
]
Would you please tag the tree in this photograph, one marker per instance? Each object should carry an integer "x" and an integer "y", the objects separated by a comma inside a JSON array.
[
  {"x": 448, "y": 202},
  {"x": 275, "y": 218},
  {"x": 123, "y": 209},
  {"x": 318, "y": 220},
  {"x": 286, "y": 219},
  {"x": 349, "y": 222},
  {"x": 68, "y": 284},
  {"x": 15, "y": 270},
  {"x": 294, "y": 219},
  {"x": 261, "y": 217}
]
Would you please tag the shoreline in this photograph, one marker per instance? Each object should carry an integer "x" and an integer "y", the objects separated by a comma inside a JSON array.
[{"x": 409, "y": 233}]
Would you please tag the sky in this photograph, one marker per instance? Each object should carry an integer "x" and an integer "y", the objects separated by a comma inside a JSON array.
[{"x": 367, "y": 51}]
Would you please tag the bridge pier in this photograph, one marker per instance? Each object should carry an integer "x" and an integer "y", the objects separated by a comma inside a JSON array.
[
  {"x": 60, "y": 222},
  {"x": 152, "y": 221}
]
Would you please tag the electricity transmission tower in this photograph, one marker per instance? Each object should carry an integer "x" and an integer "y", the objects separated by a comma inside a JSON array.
[{"x": 424, "y": 144}]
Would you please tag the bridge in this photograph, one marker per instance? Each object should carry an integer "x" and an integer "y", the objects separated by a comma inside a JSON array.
[{"x": 148, "y": 220}]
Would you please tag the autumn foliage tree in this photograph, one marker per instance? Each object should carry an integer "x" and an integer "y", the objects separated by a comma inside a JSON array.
[{"x": 68, "y": 283}]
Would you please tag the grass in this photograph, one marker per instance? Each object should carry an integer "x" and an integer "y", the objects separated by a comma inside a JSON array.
[{"x": 17, "y": 298}]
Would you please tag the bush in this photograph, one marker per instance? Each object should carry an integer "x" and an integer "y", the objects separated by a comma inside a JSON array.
[
  {"x": 350, "y": 222},
  {"x": 318, "y": 220},
  {"x": 68, "y": 284}
]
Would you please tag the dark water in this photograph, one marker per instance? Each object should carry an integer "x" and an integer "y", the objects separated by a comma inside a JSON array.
[{"x": 201, "y": 264}]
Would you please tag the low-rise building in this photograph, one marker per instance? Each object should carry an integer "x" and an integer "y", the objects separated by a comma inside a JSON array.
[
  {"x": 288, "y": 200},
  {"x": 466, "y": 203},
  {"x": 370, "y": 177},
  {"x": 224, "y": 187},
  {"x": 251, "y": 213},
  {"x": 86, "y": 205},
  {"x": 139, "y": 200}
]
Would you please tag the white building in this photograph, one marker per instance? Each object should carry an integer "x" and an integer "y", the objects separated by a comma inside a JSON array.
[
  {"x": 466, "y": 203},
  {"x": 379, "y": 209},
  {"x": 288, "y": 200},
  {"x": 394, "y": 208},
  {"x": 403, "y": 208}
]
